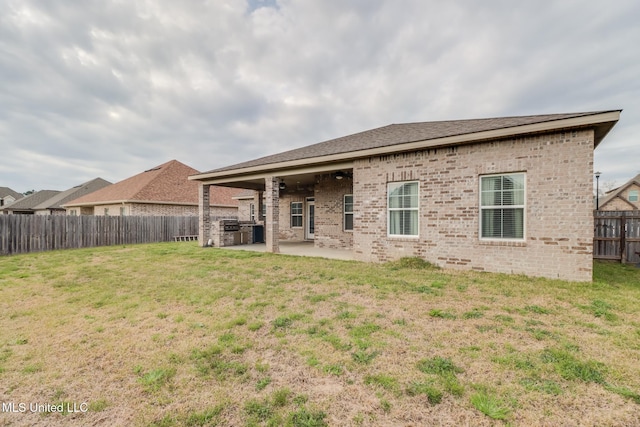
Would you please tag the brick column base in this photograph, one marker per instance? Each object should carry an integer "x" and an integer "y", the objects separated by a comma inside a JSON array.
[
  {"x": 258, "y": 201},
  {"x": 272, "y": 227},
  {"x": 204, "y": 214}
]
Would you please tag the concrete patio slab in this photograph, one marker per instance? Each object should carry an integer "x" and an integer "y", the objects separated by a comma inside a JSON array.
[{"x": 298, "y": 249}]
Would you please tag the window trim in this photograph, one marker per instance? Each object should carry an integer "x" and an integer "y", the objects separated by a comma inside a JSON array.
[
  {"x": 297, "y": 215},
  {"x": 523, "y": 207},
  {"x": 389, "y": 210},
  {"x": 345, "y": 213},
  {"x": 633, "y": 193}
]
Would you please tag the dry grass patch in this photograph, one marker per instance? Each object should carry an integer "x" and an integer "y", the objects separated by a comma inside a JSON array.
[{"x": 172, "y": 334}]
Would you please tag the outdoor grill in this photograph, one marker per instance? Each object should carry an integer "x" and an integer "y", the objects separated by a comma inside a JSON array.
[{"x": 230, "y": 225}]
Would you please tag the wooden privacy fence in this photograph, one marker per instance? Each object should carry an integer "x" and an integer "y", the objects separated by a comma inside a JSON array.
[
  {"x": 34, "y": 233},
  {"x": 617, "y": 236}
]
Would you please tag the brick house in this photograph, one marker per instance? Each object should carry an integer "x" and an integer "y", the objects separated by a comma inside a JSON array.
[
  {"x": 163, "y": 190},
  {"x": 49, "y": 202},
  {"x": 624, "y": 198},
  {"x": 8, "y": 196},
  {"x": 510, "y": 195},
  {"x": 55, "y": 204},
  {"x": 34, "y": 204}
]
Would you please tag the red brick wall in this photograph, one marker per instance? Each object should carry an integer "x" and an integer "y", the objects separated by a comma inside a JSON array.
[
  {"x": 151, "y": 209},
  {"x": 286, "y": 231},
  {"x": 329, "y": 197},
  {"x": 558, "y": 216}
]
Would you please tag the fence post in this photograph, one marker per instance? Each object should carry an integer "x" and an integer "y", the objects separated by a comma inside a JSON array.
[{"x": 623, "y": 239}]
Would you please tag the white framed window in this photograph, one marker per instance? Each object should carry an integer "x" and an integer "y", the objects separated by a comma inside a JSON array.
[
  {"x": 252, "y": 212},
  {"x": 296, "y": 214},
  {"x": 348, "y": 212},
  {"x": 502, "y": 206},
  {"x": 402, "y": 209},
  {"x": 633, "y": 195}
]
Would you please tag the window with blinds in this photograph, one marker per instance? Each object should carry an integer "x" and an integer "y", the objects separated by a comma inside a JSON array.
[
  {"x": 348, "y": 212},
  {"x": 296, "y": 214},
  {"x": 402, "y": 209},
  {"x": 502, "y": 206}
]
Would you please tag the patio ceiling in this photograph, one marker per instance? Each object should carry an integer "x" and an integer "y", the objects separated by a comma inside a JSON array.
[{"x": 293, "y": 178}]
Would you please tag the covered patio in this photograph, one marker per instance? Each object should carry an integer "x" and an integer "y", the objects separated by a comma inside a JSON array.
[{"x": 298, "y": 204}]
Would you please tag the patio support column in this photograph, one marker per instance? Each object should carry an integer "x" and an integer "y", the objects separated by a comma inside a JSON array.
[
  {"x": 204, "y": 214},
  {"x": 271, "y": 221},
  {"x": 258, "y": 201}
]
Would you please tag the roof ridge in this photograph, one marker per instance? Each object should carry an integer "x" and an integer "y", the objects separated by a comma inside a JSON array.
[
  {"x": 394, "y": 135},
  {"x": 160, "y": 169},
  {"x": 519, "y": 116}
]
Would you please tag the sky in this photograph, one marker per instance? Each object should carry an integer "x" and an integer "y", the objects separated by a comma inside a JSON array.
[{"x": 110, "y": 88}]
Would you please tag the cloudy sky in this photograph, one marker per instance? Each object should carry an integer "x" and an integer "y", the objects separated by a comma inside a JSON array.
[{"x": 110, "y": 88}]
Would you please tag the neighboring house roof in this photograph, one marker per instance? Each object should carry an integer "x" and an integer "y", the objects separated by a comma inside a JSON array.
[
  {"x": 163, "y": 184},
  {"x": 617, "y": 193},
  {"x": 53, "y": 199},
  {"x": 31, "y": 202},
  {"x": 413, "y": 136},
  {"x": 6, "y": 191},
  {"x": 61, "y": 198}
]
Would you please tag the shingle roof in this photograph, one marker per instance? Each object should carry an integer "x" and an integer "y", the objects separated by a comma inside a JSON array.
[
  {"x": 397, "y": 134},
  {"x": 6, "y": 191},
  {"x": 30, "y": 202},
  {"x": 166, "y": 183},
  {"x": 616, "y": 192},
  {"x": 61, "y": 198}
]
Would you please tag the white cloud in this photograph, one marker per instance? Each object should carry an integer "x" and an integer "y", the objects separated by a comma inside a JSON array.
[{"x": 123, "y": 86}]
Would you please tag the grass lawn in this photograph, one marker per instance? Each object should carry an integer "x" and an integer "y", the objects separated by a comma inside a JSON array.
[{"x": 173, "y": 334}]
